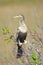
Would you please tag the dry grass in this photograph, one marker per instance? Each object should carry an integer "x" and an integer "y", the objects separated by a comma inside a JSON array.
[{"x": 8, "y": 51}]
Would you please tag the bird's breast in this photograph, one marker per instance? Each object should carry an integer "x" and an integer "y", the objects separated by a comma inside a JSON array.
[{"x": 23, "y": 29}]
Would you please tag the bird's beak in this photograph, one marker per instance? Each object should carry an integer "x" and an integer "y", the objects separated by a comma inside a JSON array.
[{"x": 15, "y": 17}]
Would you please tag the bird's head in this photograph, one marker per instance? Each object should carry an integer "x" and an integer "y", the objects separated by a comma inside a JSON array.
[{"x": 17, "y": 16}]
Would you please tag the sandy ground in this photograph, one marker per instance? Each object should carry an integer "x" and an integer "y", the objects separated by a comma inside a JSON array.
[{"x": 34, "y": 21}]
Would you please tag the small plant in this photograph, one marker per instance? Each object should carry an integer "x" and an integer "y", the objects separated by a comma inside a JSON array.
[
  {"x": 5, "y": 30},
  {"x": 34, "y": 59},
  {"x": 9, "y": 39}
]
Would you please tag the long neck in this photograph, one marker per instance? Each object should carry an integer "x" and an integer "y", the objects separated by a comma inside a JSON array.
[
  {"x": 22, "y": 20},
  {"x": 22, "y": 26}
]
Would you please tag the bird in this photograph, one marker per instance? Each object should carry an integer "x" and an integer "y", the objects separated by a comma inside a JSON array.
[{"x": 21, "y": 34}]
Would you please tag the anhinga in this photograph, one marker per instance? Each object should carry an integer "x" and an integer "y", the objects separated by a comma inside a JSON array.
[{"x": 21, "y": 34}]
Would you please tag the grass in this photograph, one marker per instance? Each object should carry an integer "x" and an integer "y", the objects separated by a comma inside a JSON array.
[
  {"x": 34, "y": 59},
  {"x": 6, "y": 14},
  {"x": 19, "y": 2},
  {"x": 7, "y": 40},
  {"x": 5, "y": 30}
]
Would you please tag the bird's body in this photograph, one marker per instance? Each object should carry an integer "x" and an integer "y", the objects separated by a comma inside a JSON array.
[
  {"x": 22, "y": 27},
  {"x": 21, "y": 32},
  {"x": 21, "y": 37}
]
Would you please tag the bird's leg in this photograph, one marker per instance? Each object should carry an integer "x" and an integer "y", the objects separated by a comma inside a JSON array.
[{"x": 20, "y": 51}]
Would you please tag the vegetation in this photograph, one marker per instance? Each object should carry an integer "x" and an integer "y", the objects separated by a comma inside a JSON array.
[
  {"x": 7, "y": 40},
  {"x": 5, "y": 30},
  {"x": 34, "y": 59},
  {"x": 8, "y": 52},
  {"x": 7, "y": 2}
]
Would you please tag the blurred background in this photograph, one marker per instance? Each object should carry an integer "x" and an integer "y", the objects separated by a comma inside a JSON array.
[{"x": 33, "y": 12}]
